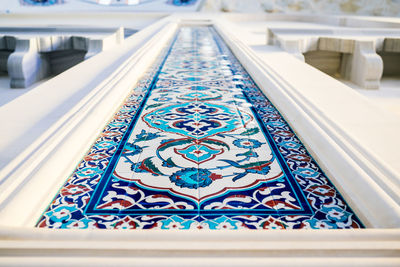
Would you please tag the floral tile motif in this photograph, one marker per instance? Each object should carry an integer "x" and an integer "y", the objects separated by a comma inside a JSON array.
[{"x": 198, "y": 145}]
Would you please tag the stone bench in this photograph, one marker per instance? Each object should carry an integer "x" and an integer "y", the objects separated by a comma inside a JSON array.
[
  {"x": 34, "y": 55},
  {"x": 389, "y": 51},
  {"x": 360, "y": 59}
]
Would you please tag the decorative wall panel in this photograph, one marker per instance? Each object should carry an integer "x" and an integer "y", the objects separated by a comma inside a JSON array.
[{"x": 198, "y": 145}]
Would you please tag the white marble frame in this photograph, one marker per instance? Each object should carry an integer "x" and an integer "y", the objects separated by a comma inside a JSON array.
[
  {"x": 41, "y": 247},
  {"x": 48, "y": 159}
]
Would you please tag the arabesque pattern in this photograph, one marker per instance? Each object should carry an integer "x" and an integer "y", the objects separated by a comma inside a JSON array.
[{"x": 198, "y": 145}]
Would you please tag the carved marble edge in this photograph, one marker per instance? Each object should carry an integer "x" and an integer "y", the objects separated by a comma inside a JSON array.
[
  {"x": 370, "y": 185},
  {"x": 363, "y": 247},
  {"x": 38, "y": 171}
]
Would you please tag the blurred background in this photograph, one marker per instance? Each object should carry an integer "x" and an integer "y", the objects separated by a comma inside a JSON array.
[{"x": 389, "y": 8}]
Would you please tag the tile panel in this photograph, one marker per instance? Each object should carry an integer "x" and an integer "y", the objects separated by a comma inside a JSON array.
[{"x": 198, "y": 145}]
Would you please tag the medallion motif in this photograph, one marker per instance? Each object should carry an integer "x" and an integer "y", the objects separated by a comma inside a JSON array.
[{"x": 198, "y": 145}]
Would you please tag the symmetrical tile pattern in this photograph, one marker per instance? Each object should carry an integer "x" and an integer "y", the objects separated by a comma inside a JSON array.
[{"x": 198, "y": 145}]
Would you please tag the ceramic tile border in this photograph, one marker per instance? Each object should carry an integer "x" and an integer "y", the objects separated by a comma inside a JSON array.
[{"x": 84, "y": 179}]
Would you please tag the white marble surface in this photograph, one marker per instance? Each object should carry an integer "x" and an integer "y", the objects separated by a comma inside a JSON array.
[
  {"x": 387, "y": 97},
  {"x": 8, "y": 94}
]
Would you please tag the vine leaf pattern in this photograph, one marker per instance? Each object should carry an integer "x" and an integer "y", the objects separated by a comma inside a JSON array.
[{"x": 198, "y": 145}]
